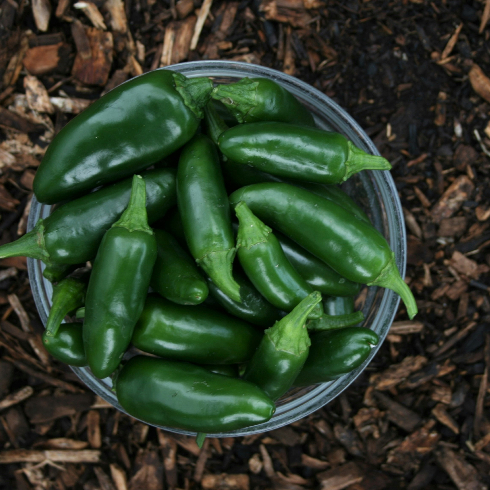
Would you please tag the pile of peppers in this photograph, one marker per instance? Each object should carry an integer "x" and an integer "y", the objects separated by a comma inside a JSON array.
[{"x": 202, "y": 253}]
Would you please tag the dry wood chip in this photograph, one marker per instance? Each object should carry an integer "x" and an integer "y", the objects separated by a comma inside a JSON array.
[
  {"x": 398, "y": 414},
  {"x": 183, "y": 37},
  {"x": 92, "y": 12},
  {"x": 215, "y": 41},
  {"x": 397, "y": 373},
  {"x": 267, "y": 461},
  {"x": 286, "y": 435},
  {"x": 22, "y": 226},
  {"x": 454, "y": 339},
  {"x": 46, "y": 408},
  {"x": 16, "y": 397},
  {"x": 169, "y": 451},
  {"x": 42, "y": 60},
  {"x": 463, "y": 474},
  {"x": 440, "y": 119},
  {"x": 17, "y": 262},
  {"x": 451, "y": 43},
  {"x": 456, "y": 290},
  {"x": 6, "y": 273},
  {"x": 6, "y": 159},
  {"x": 184, "y": 8},
  {"x": 349, "y": 439},
  {"x": 149, "y": 473},
  {"x": 95, "y": 70},
  {"x": 464, "y": 265},
  {"x": 188, "y": 443},
  {"x": 103, "y": 479},
  {"x": 485, "y": 16},
  {"x": 27, "y": 180},
  {"x": 406, "y": 327},
  {"x": 201, "y": 18},
  {"x": 119, "y": 477},
  {"x": 118, "y": 77},
  {"x": 226, "y": 482},
  {"x": 480, "y": 401},
  {"x": 11, "y": 120},
  {"x": 41, "y": 10},
  {"x": 119, "y": 22},
  {"x": 453, "y": 227},
  {"x": 440, "y": 413},
  {"x": 93, "y": 429},
  {"x": 62, "y": 443},
  {"x": 168, "y": 45},
  {"x": 292, "y": 13},
  {"x": 255, "y": 464},
  {"x": 452, "y": 199},
  {"x": 340, "y": 477},
  {"x": 201, "y": 461},
  {"x": 480, "y": 82},
  {"x": 482, "y": 213},
  {"x": 57, "y": 456},
  {"x": 72, "y": 105},
  {"x": 314, "y": 463},
  {"x": 288, "y": 65},
  {"x": 14, "y": 66},
  {"x": 412, "y": 224},
  {"x": 7, "y": 201},
  {"x": 481, "y": 443}
]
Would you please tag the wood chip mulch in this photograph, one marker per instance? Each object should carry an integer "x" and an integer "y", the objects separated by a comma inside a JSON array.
[{"x": 415, "y": 75}]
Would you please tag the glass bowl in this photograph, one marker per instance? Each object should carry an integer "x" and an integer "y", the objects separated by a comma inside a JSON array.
[{"x": 374, "y": 191}]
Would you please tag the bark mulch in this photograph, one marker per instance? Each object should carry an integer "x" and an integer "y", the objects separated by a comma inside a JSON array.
[{"x": 414, "y": 74}]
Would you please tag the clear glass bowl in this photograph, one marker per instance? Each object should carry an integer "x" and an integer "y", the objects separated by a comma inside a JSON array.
[{"x": 374, "y": 191}]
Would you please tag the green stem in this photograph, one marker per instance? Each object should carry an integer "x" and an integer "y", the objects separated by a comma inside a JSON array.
[
  {"x": 135, "y": 217},
  {"x": 239, "y": 97},
  {"x": 330, "y": 322},
  {"x": 214, "y": 123},
  {"x": 196, "y": 92},
  {"x": 251, "y": 230},
  {"x": 80, "y": 313},
  {"x": 201, "y": 436},
  {"x": 390, "y": 278},
  {"x": 30, "y": 245},
  {"x": 360, "y": 160}
]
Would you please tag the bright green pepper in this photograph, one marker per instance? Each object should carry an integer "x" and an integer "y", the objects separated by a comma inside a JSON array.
[
  {"x": 185, "y": 396},
  {"x": 261, "y": 99},
  {"x": 67, "y": 344},
  {"x": 130, "y": 128},
  {"x": 175, "y": 275},
  {"x": 118, "y": 285},
  {"x": 195, "y": 334},
  {"x": 297, "y": 152},
  {"x": 283, "y": 351},
  {"x": 205, "y": 212},
  {"x": 334, "y": 353},
  {"x": 267, "y": 267},
  {"x": 339, "y": 313},
  {"x": 352, "y": 247}
]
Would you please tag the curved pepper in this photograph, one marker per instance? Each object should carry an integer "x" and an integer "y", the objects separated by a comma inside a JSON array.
[
  {"x": 185, "y": 396},
  {"x": 352, "y": 247},
  {"x": 175, "y": 275},
  {"x": 297, "y": 152},
  {"x": 338, "y": 313},
  {"x": 205, "y": 212},
  {"x": 195, "y": 334},
  {"x": 130, "y": 128},
  {"x": 283, "y": 351},
  {"x": 266, "y": 266},
  {"x": 261, "y": 99},
  {"x": 334, "y": 353},
  {"x": 67, "y": 344},
  {"x": 118, "y": 285},
  {"x": 71, "y": 234}
]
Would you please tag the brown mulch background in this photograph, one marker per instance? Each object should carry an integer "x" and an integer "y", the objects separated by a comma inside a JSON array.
[{"x": 414, "y": 75}]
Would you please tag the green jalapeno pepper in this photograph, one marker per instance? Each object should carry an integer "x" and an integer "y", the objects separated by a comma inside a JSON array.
[
  {"x": 205, "y": 212},
  {"x": 130, "y": 128},
  {"x": 338, "y": 305},
  {"x": 118, "y": 285},
  {"x": 352, "y": 247},
  {"x": 283, "y": 351},
  {"x": 71, "y": 234},
  {"x": 253, "y": 307},
  {"x": 68, "y": 295},
  {"x": 261, "y": 99},
  {"x": 57, "y": 272},
  {"x": 334, "y": 353},
  {"x": 175, "y": 275},
  {"x": 195, "y": 334},
  {"x": 185, "y": 396},
  {"x": 266, "y": 266},
  {"x": 67, "y": 344},
  {"x": 230, "y": 370},
  {"x": 297, "y": 152},
  {"x": 339, "y": 313}
]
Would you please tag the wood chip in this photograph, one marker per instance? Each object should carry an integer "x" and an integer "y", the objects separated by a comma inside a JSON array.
[
  {"x": 349, "y": 439},
  {"x": 42, "y": 60},
  {"x": 440, "y": 413},
  {"x": 201, "y": 18},
  {"x": 201, "y": 461},
  {"x": 56, "y": 456},
  {"x": 70, "y": 105},
  {"x": 267, "y": 460},
  {"x": 451, "y": 43},
  {"x": 149, "y": 472},
  {"x": 119, "y": 477},
  {"x": 15, "y": 64},
  {"x": 313, "y": 463},
  {"x": 16, "y": 397},
  {"x": 37, "y": 95},
  {"x": 292, "y": 13},
  {"x": 11, "y": 120},
  {"x": 485, "y": 16},
  {"x": 92, "y": 12},
  {"x": 43, "y": 409},
  {"x": 406, "y": 327},
  {"x": 289, "y": 66},
  {"x": 169, "y": 450},
  {"x": 453, "y": 198},
  {"x": 103, "y": 479},
  {"x": 398, "y": 414},
  {"x": 182, "y": 42},
  {"x": 340, "y": 477},
  {"x": 7, "y": 201},
  {"x": 184, "y": 8},
  {"x": 480, "y": 82},
  {"x": 6, "y": 273},
  {"x": 63, "y": 443},
  {"x": 396, "y": 373},
  {"x": 118, "y": 22},
  {"x": 226, "y": 482},
  {"x": 41, "y": 10},
  {"x": 93, "y": 429},
  {"x": 482, "y": 391}
]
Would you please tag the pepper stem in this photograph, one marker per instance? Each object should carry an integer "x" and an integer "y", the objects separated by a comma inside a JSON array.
[
  {"x": 251, "y": 230},
  {"x": 390, "y": 278},
  {"x": 330, "y": 322},
  {"x": 238, "y": 97},
  {"x": 358, "y": 160},
  {"x": 135, "y": 217},
  {"x": 196, "y": 92},
  {"x": 290, "y": 333},
  {"x": 214, "y": 123},
  {"x": 30, "y": 245},
  {"x": 218, "y": 266},
  {"x": 200, "y": 437}
]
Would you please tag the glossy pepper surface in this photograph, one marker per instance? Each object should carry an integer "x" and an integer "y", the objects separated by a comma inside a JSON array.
[
  {"x": 352, "y": 247},
  {"x": 196, "y": 334},
  {"x": 118, "y": 285},
  {"x": 282, "y": 351},
  {"x": 267, "y": 267},
  {"x": 175, "y": 274},
  {"x": 261, "y": 99},
  {"x": 71, "y": 234},
  {"x": 189, "y": 397},
  {"x": 334, "y": 353},
  {"x": 67, "y": 344},
  {"x": 297, "y": 152},
  {"x": 130, "y": 128},
  {"x": 205, "y": 212}
]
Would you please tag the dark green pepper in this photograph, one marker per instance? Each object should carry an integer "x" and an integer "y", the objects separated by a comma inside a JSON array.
[
  {"x": 205, "y": 212},
  {"x": 339, "y": 313},
  {"x": 267, "y": 267},
  {"x": 118, "y": 285},
  {"x": 175, "y": 275},
  {"x": 283, "y": 351},
  {"x": 352, "y": 247},
  {"x": 261, "y": 99},
  {"x": 297, "y": 152},
  {"x": 338, "y": 305},
  {"x": 71, "y": 234},
  {"x": 130, "y": 128},
  {"x": 230, "y": 370},
  {"x": 185, "y": 396},
  {"x": 195, "y": 334},
  {"x": 67, "y": 344},
  {"x": 334, "y": 353}
]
